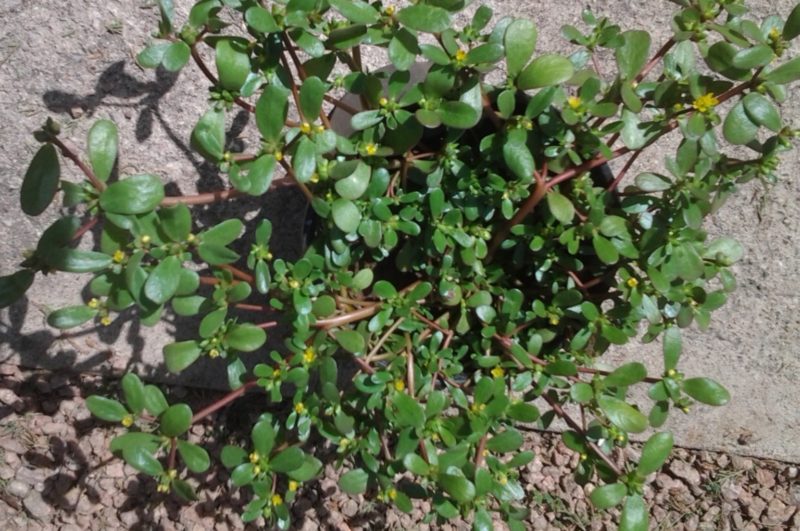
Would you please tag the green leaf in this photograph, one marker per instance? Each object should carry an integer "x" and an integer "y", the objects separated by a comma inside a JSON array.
[
  {"x": 195, "y": 457},
  {"x": 70, "y": 317},
  {"x": 633, "y": 135},
  {"x": 176, "y": 420},
  {"x": 310, "y": 469},
  {"x": 507, "y": 441},
  {"x": 786, "y": 73},
  {"x": 403, "y": 49},
  {"x": 605, "y": 250},
  {"x": 346, "y": 215},
  {"x": 142, "y": 460},
  {"x": 154, "y": 400},
  {"x": 163, "y": 280},
  {"x": 77, "y": 261},
  {"x": 416, "y": 465},
  {"x": 106, "y": 408},
  {"x": 634, "y": 515},
  {"x": 519, "y": 41},
  {"x": 738, "y": 128},
  {"x": 654, "y": 453},
  {"x": 263, "y": 436},
  {"x": 460, "y": 488},
  {"x": 633, "y": 54},
  {"x": 148, "y": 441},
  {"x": 180, "y": 355},
  {"x": 518, "y": 158},
  {"x": 354, "y": 185},
  {"x": 351, "y": 341},
  {"x": 791, "y": 27},
  {"x": 544, "y": 71},
  {"x": 151, "y": 56},
  {"x": 41, "y": 181},
  {"x": 233, "y": 62},
  {"x": 762, "y": 112},
  {"x": 626, "y": 375},
  {"x": 184, "y": 490},
  {"x": 287, "y": 460},
  {"x": 757, "y": 56},
  {"x": 245, "y": 337},
  {"x": 560, "y": 206},
  {"x": 137, "y": 194},
  {"x": 458, "y": 114},
  {"x": 707, "y": 391},
  {"x": 208, "y": 136},
  {"x": 133, "y": 390},
  {"x": 356, "y": 11},
  {"x": 176, "y": 222},
  {"x": 261, "y": 20},
  {"x": 652, "y": 182},
  {"x": 622, "y": 415},
  {"x": 608, "y": 496},
  {"x": 176, "y": 56},
  {"x": 102, "y": 148},
  {"x": 232, "y": 456},
  {"x": 271, "y": 111},
  {"x": 726, "y": 251},
  {"x": 14, "y": 286},
  {"x": 425, "y": 18},
  {"x": 223, "y": 233},
  {"x": 408, "y": 412},
  {"x": 354, "y": 481},
  {"x": 311, "y": 94}
]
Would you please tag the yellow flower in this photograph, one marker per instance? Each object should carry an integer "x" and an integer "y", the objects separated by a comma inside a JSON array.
[
  {"x": 256, "y": 469},
  {"x": 632, "y": 282},
  {"x": 305, "y": 128},
  {"x": 278, "y": 156},
  {"x": 299, "y": 408},
  {"x": 309, "y": 355},
  {"x": 671, "y": 372},
  {"x": 93, "y": 303},
  {"x": 371, "y": 149},
  {"x": 294, "y": 283},
  {"x": 584, "y": 457},
  {"x": 502, "y": 479},
  {"x": 319, "y": 128},
  {"x": 172, "y": 473},
  {"x": 389, "y": 10},
  {"x": 191, "y": 238},
  {"x": 145, "y": 239},
  {"x": 574, "y": 102},
  {"x": 774, "y": 34},
  {"x": 392, "y": 493},
  {"x": 162, "y": 488},
  {"x": 105, "y": 320},
  {"x": 383, "y": 102},
  {"x": 119, "y": 256},
  {"x": 276, "y": 499},
  {"x": 293, "y": 485},
  {"x": 314, "y": 178},
  {"x": 498, "y": 372},
  {"x": 399, "y": 385},
  {"x": 706, "y": 102},
  {"x": 477, "y": 408},
  {"x": 213, "y": 353},
  {"x": 254, "y": 457},
  {"x": 554, "y": 320},
  {"x": 127, "y": 421},
  {"x": 460, "y": 55},
  {"x": 276, "y": 373}
]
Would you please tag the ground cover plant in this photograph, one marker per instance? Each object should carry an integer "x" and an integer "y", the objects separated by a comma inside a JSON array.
[{"x": 471, "y": 255}]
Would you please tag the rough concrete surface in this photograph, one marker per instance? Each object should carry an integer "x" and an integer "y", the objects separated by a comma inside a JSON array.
[{"x": 74, "y": 61}]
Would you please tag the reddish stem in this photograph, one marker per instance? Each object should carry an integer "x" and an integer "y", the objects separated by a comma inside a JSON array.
[
  {"x": 224, "y": 401},
  {"x": 652, "y": 63},
  {"x": 201, "y": 199},
  {"x": 86, "y": 227},
  {"x": 71, "y": 155},
  {"x": 214, "y": 81}
]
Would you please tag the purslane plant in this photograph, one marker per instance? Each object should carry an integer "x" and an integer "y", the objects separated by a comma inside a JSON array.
[{"x": 471, "y": 255}]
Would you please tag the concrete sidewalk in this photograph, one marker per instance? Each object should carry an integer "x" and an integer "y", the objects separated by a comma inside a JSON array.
[{"x": 75, "y": 63}]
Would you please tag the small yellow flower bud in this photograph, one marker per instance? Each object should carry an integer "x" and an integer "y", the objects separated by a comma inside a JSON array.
[
  {"x": 105, "y": 320},
  {"x": 145, "y": 240},
  {"x": 305, "y": 128},
  {"x": 554, "y": 320},
  {"x": 309, "y": 355},
  {"x": 574, "y": 102},
  {"x": 127, "y": 421},
  {"x": 254, "y": 457},
  {"x": 632, "y": 282},
  {"x": 383, "y": 102},
  {"x": 460, "y": 55},
  {"x": 399, "y": 385},
  {"x": 93, "y": 303},
  {"x": 119, "y": 256},
  {"x": 371, "y": 149},
  {"x": 314, "y": 179},
  {"x": 502, "y": 479},
  {"x": 392, "y": 493},
  {"x": 319, "y": 128},
  {"x": 276, "y": 373},
  {"x": 213, "y": 353},
  {"x": 191, "y": 238},
  {"x": 706, "y": 102},
  {"x": 172, "y": 473},
  {"x": 293, "y": 486},
  {"x": 621, "y": 438},
  {"x": 671, "y": 373},
  {"x": 276, "y": 499},
  {"x": 584, "y": 457},
  {"x": 294, "y": 284},
  {"x": 268, "y": 256},
  {"x": 299, "y": 408},
  {"x": 498, "y": 372},
  {"x": 256, "y": 470},
  {"x": 278, "y": 156},
  {"x": 389, "y": 10}
]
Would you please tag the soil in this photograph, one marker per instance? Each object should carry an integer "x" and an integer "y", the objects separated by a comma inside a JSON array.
[{"x": 56, "y": 473}]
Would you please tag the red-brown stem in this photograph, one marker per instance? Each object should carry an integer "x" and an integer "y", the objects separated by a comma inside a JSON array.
[
  {"x": 224, "y": 401},
  {"x": 268, "y": 324},
  {"x": 583, "y": 286},
  {"x": 363, "y": 365},
  {"x": 624, "y": 170},
  {"x": 340, "y": 104},
  {"x": 173, "y": 448},
  {"x": 302, "y": 73},
  {"x": 589, "y": 370},
  {"x": 251, "y": 307},
  {"x": 480, "y": 450},
  {"x": 68, "y": 152},
  {"x": 209, "y": 281},
  {"x": 575, "y": 426},
  {"x": 201, "y": 199},
  {"x": 211, "y": 77},
  {"x": 489, "y": 111},
  {"x": 303, "y": 188},
  {"x": 339, "y": 320},
  {"x": 86, "y": 227},
  {"x": 409, "y": 366},
  {"x": 238, "y": 273},
  {"x": 655, "y": 59},
  {"x": 527, "y": 207}
]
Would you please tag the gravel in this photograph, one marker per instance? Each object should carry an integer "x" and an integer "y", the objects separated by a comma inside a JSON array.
[{"x": 57, "y": 473}]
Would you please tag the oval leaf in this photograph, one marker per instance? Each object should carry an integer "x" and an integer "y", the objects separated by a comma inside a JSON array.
[
  {"x": 137, "y": 194},
  {"x": 41, "y": 181}
]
